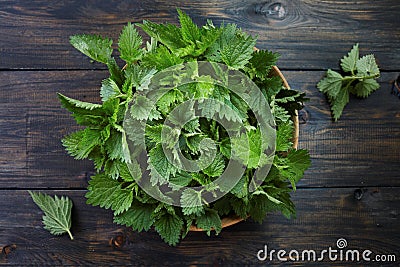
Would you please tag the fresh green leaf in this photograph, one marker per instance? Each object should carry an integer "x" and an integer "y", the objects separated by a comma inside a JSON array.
[
  {"x": 141, "y": 108},
  {"x": 260, "y": 205},
  {"x": 217, "y": 166},
  {"x": 262, "y": 61},
  {"x": 109, "y": 89},
  {"x": 81, "y": 143},
  {"x": 223, "y": 206},
  {"x": 338, "y": 103},
  {"x": 284, "y": 136},
  {"x": 209, "y": 221},
  {"x": 180, "y": 179},
  {"x": 129, "y": 44},
  {"x": 297, "y": 161},
  {"x": 140, "y": 77},
  {"x": 240, "y": 206},
  {"x": 234, "y": 48},
  {"x": 348, "y": 63},
  {"x": 192, "y": 202},
  {"x": 366, "y": 66},
  {"x": 240, "y": 189},
  {"x": 85, "y": 113},
  {"x": 115, "y": 72},
  {"x": 169, "y": 226},
  {"x": 93, "y": 46},
  {"x": 249, "y": 148},
  {"x": 331, "y": 84},
  {"x": 159, "y": 163},
  {"x": 108, "y": 193},
  {"x": 161, "y": 59},
  {"x": 168, "y": 35},
  {"x": 69, "y": 102},
  {"x": 57, "y": 213},
  {"x": 115, "y": 147},
  {"x": 365, "y": 87},
  {"x": 190, "y": 31},
  {"x": 290, "y": 100},
  {"x": 138, "y": 216}
]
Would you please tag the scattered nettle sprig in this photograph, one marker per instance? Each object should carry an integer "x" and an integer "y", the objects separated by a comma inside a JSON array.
[
  {"x": 57, "y": 213},
  {"x": 359, "y": 78},
  {"x": 103, "y": 141}
]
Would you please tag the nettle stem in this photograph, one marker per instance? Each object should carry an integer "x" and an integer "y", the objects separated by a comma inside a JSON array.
[
  {"x": 360, "y": 77},
  {"x": 70, "y": 234}
]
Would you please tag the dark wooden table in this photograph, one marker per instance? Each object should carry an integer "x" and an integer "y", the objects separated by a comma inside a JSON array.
[{"x": 352, "y": 190}]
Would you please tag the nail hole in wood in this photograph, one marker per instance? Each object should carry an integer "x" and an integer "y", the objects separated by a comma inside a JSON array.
[
  {"x": 8, "y": 249},
  {"x": 358, "y": 194}
]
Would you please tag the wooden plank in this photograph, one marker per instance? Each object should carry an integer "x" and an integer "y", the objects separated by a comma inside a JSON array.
[
  {"x": 309, "y": 34},
  {"x": 32, "y": 124},
  {"x": 369, "y": 221},
  {"x": 362, "y": 149},
  {"x": 13, "y": 143}
]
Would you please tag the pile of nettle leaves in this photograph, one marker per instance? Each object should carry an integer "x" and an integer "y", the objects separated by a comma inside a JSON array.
[{"x": 102, "y": 138}]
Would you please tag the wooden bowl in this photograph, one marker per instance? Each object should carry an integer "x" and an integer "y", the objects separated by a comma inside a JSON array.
[{"x": 231, "y": 220}]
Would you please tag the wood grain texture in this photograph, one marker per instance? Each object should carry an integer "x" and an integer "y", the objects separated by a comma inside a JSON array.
[
  {"x": 33, "y": 123},
  {"x": 324, "y": 215},
  {"x": 364, "y": 142},
  {"x": 309, "y": 34},
  {"x": 351, "y": 191}
]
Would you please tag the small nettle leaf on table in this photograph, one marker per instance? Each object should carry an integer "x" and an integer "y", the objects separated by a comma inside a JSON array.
[
  {"x": 57, "y": 212},
  {"x": 359, "y": 78}
]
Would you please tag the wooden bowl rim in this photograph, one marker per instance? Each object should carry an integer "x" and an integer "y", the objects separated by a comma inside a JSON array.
[{"x": 234, "y": 219}]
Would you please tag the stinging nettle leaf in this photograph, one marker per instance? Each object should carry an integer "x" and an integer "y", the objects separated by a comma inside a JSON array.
[
  {"x": 332, "y": 84},
  {"x": 217, "y": 166},
  {"x": 190, "y": 31},
  {"x": 262, "y": 62},
  {"x": 57, "y": 213},
  {"x": 348, "y": 63},
  {"x": 367, "y": 66},
  {"x": 192, "y": 202},
  {"x": 209, "y": 221},
  {"x": 338, "y": 104},
  {"x": 249, "y": 148},
  {"x": 169, "y": 226},
  {"x": 129, "y": 44},
  {"x": 159, "y": 164},
  {"x": 109, "y": 89},
  {"x": 81, "y": 143},
  {"x": 67, "y": 102},
  {"x": 108, "y": 193},
  {"x": 138, "y": 216},
  {"x": 284, "y": 136},
  {"x": 233, "y": 47},
  {"x": 141, "y": 108},
  {"x": 365, "y": 87},
  {"x": 93, "y": 46}
]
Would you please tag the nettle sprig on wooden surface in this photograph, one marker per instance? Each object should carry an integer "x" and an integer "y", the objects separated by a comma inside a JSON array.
[
  {"x": 359, "y": 78},
  {"x": 103, "y": 138}
]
